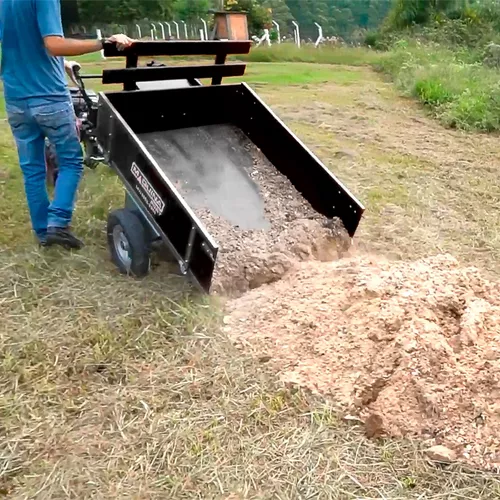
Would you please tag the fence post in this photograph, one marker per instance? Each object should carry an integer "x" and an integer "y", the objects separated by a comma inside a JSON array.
[
  {"x": 297, "y": 34},
  {"x": 264, "y": 38},
  {"x": 185, "y": 30},
  {"x": 320, "y": 35},
  {"x": 205, "y": 27},
  {"x": 139, "y": 31},
  {"x": 99, "y": 37},
  {"x": 153, "y": 32},
  {"x": 277, "y": 30},
  {"x": 169, "y": 29},
  {"x": 162, "y": 30},
  {"x": 176, "y": 29}
]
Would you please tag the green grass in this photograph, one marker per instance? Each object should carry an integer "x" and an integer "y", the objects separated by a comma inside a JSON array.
[
  {"x": 460, "y": 93},
  {"x": 299, "y": 74},
  {"x": 287, "y": 52}
]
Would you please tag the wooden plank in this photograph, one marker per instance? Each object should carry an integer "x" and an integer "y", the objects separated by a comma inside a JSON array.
[
  {"x": 180, "y": 48},
  {"x": 146, "y": 74}
]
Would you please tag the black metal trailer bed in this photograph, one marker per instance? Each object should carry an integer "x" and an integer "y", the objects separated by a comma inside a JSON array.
[
  {"x": 209, "y": 169},
  {"x": 176, "y": 148}
]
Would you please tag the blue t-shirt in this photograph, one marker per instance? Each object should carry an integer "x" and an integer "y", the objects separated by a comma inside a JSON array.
[{"x": 28, "y": 70}]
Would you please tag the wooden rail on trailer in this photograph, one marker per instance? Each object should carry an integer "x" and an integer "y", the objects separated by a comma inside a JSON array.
[
  {"x": 218, "y": 48},
  {"x": 132, "y": 75}
]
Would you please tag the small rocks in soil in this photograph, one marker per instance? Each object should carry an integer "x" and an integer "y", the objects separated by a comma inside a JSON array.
[{"x": 248, "y": 259}]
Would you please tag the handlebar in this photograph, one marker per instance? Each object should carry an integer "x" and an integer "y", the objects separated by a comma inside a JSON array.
[{"x": 75, "y": 69}]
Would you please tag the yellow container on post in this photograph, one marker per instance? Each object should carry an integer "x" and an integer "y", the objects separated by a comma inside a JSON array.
[{"x": 230, "y": 26}]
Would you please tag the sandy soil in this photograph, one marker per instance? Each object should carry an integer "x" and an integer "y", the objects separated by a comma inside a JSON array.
[{"x": 411, "y": 346}]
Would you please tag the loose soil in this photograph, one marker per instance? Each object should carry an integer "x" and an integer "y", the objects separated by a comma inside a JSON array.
[
  {"x": 248, "y": 259},
  {"x": 410, "y": 348}
]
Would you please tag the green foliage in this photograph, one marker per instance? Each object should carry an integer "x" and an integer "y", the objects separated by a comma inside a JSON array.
[
  {"x": 337, "y": 17},
  {"x": 190, "y": 10},
  {"x": 406, "y": 13},
  {"x": 259, "y": 17},
  {"x": 488, "y": 11},
  {"x": 124, "y": 11},
  {"x": 459, "y": 92},
  {"x": 469, "y": 23},
  {"x": 409, "y": 12},
  {"x": 432, "y": 91}
]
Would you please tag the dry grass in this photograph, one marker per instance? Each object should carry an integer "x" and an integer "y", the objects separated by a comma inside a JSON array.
[
  {"x": 119, "y": 388},
  {"x": 428, "y": 190},
  {"x": 114, "y": 388}
]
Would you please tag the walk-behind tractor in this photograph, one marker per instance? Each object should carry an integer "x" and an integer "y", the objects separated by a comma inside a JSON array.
[{"x": 148, "y": 132}]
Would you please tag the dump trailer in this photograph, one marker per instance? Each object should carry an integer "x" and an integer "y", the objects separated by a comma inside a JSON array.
[{"x": 166, "y": 129}]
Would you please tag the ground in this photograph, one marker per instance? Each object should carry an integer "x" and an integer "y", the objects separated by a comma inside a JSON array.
[{"x": 117, "y": 388}]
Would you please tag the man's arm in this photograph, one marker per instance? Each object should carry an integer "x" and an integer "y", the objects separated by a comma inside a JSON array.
[
  {"x": 60, "y": 46},
  {"x": 49, "y": 22}
]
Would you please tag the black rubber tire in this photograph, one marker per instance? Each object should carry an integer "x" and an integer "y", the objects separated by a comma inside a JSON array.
[
  {"x": 52, "y": 167},
  {"x": 125, "y": 222}
]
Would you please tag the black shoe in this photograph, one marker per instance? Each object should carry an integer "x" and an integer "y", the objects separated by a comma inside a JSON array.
[{"x": 63, "y": 237}]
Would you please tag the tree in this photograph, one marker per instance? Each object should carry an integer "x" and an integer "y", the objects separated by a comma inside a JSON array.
[
  {"x": 406, "y": 13},
  {"x": 124, "y": 11},
  {"x": 259, "y": 16},
  {"x": 190, "y": 10},
  {"x": 337, "y": 17},
  {"x": 69, "y": 13},
  {"x": 302, "y": 12},
  {"x": 279, "y": 12}
]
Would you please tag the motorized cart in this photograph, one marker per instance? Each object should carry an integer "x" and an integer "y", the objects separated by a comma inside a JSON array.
[{"x": 164, "y": 135}]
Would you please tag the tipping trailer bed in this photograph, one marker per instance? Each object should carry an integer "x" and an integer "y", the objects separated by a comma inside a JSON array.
[{"x": 176, "y": 148}]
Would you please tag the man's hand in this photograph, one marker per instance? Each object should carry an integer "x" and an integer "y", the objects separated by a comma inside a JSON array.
[
  {"x": 122, "y": 41},
  {"x": 60, "y": 46},
  {"x": 70, "y": 67}
]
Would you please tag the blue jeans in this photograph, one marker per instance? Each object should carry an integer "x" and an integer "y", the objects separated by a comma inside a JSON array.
[{"x": 31, "y": 122}]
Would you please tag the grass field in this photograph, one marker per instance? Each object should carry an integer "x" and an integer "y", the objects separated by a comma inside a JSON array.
[{"x": 117, "y": 388}]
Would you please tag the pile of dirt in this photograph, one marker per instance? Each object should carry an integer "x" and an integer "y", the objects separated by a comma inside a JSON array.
[
  {"x": 248, "y": 259},
  {"x": 410, "y": 348}
]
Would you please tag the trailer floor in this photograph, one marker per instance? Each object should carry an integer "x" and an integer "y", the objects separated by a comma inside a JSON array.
[{"x": 211, "y": 169}]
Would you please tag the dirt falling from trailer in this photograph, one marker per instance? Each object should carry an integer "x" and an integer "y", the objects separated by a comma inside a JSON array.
[{"x": 248, "y": 259}]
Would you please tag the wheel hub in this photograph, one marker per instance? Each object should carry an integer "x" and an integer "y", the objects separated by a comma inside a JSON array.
[{"x": 122, "y": 246}]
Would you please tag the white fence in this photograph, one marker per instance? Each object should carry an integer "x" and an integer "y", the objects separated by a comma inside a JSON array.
[{"x": 200, "y": 30}]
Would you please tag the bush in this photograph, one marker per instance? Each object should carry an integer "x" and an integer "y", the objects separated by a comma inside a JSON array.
[
  {"x": 460, "y": 93},
  {"x": 380, "y": 40},
  {"x": 432, "y": 92},
  {"x": 474, "y": 110}
]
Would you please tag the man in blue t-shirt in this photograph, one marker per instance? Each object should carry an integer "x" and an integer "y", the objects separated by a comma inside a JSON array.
[{"x": 39, "y": 106}]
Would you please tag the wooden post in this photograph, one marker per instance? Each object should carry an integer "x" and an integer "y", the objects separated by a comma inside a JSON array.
[{"x": 231, "y": 25}]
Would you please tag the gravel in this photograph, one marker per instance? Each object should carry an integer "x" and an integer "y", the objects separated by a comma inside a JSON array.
[{"x": 250, "y": 258}]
